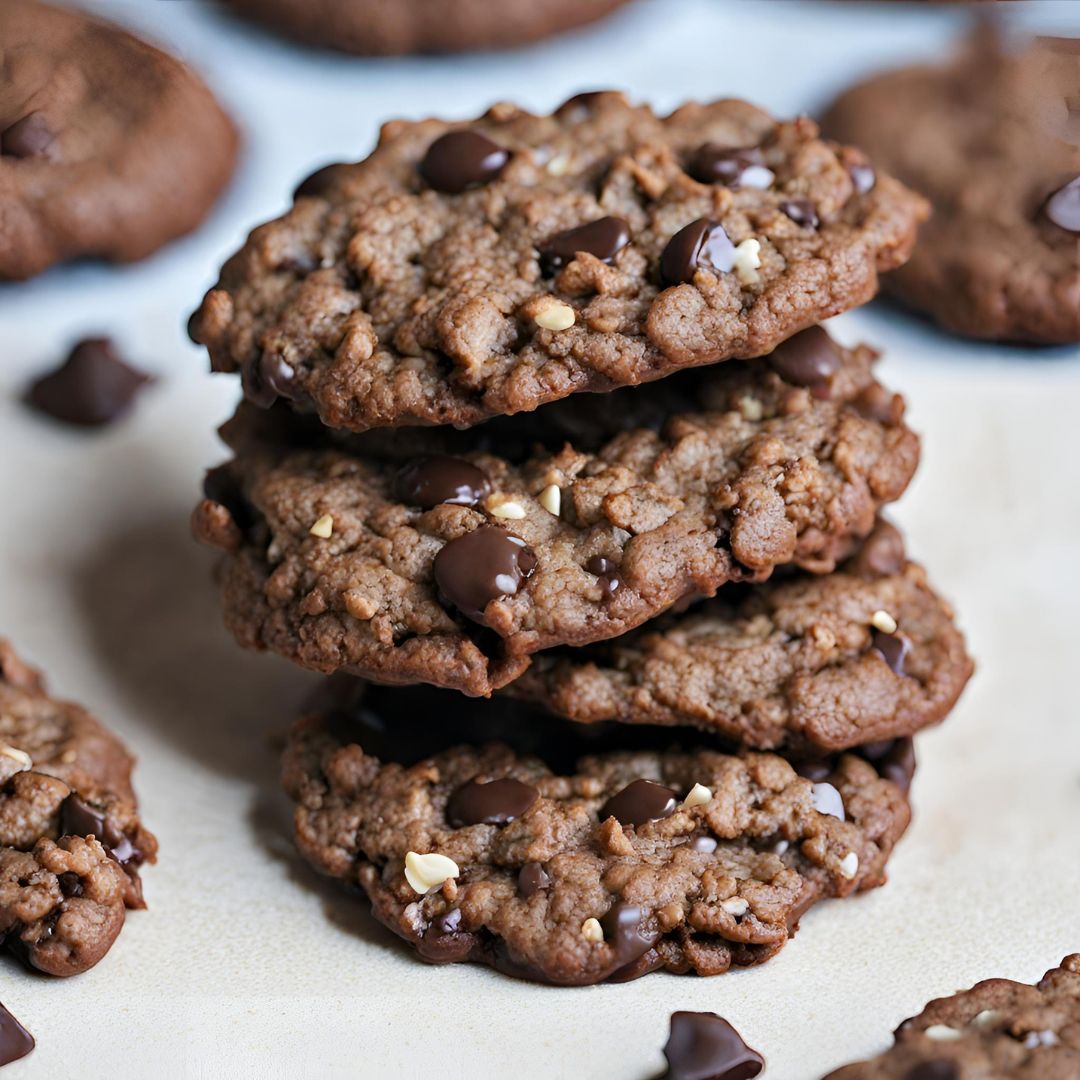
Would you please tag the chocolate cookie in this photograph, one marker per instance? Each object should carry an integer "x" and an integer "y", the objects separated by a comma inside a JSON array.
[
  {"x": 805, "y": 663},
  {"x": 454, "y": 570},
  {"x": 465, "y": 271},
  {"x": 576, "y": 869},
  {"x": 991, "y": 138},
  {"x": 71, "y": 841},
  {"x": 997, "y": 1029},
  {"x": 108, "y": 147},
  {"x": 391, "y": 27}
]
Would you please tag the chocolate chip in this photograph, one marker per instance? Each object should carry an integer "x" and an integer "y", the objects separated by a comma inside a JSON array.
[
  {"x": 704, "y": 1046},
  {"x": 322, "y": 181},
  {"x": 604, "y": 238},
  {"x": 607, "y": 572},
  {"x": 532, "y": 878},
  {"x": 78, "y": 818},
  {"x": 482, "y": 566},
  {"x": 802, "y": 212},
  {"x": 894, "y": 760},
  {"x": 91, "y": 388},
  {"x": 937, "y": 1069},
  {"x": 863, "y": 177},
  {"x": 705, "y": 844},
  {"x": 460, "y": 160},
  {"x": 810, "y": 358},
  {"x": 882, "y": 552},
  {"x": 733, "y": 167},
  {"x": 893, "y": 648},
  {"x": 496, "y": 802},
  {"x": 450, "y": 923},
  {"x": 29, "y": 137},
  {"x": 1063, "y": 207},
  {"x": 701, "y": 243},
  {"x": 814, "y": 770},
  {"x": 435, "y": 480},
  {"x": 15, "y": 1041},
  {"x": 70, "y": 884},
  {"x": 266, "y": 379},
  {"x": 827, "y": 800},
  {"x": 639, "y": 802},
  {"x": 625, "y": 931}
]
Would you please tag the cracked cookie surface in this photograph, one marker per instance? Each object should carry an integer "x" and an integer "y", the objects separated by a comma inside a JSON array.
[
  {"x": 576, "y": 869},
  {"x": 446, "y": 279},
  {"x": 734, "y": 471},
  {"x": 71, "y": 840}
]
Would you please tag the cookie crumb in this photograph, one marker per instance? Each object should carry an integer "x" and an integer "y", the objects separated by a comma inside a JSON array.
[
  {"x": 883, "y": 621},
  {"x": 427, "y": 872},
  {"x": 849, "y": 865},
  {"x": 324, "y": 527},
  {"x": 591, "y": 930},
  {"x": 698, "y": 795},
  {"x": 360, "y": 607},
  {"x": 747, "y": 261},
  {"x": 551, "y": 499},
  {"x": 555, "y": 315}
]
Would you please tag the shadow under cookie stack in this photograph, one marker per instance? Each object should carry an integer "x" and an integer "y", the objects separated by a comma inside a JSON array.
[{"x": 626, "y": 664}]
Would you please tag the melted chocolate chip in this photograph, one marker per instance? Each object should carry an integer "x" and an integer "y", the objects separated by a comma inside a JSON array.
[
  {"x": 814, "y": 770},
  {"x": 460, "y": 160},
  {"x": 705, "y": 844},
  {"x": 78, "y": 818},
  {"x": 1063, "y": 207},
  {"x": 321, "y": 181},
  {"x": 882, "y": 552},
  {"x": 607, "y": 572},
  {"x": 266, "y": 379},
  {"x": 434, "y": 480},
  {"x": 604, "y": 238},
  {"x": 482, "y": 566},
  {"x": 625, "y": 931},
  {"x": 15, "y": 1041},
  {"x": 893, "y": 648},
  {"x": 92, "y": 387},
  {"x": 937, "y": 1069},
  {"x": 802, "y": 212},
  {"x": 641, "y": 801},
  {"x": 704, "y": 1046},
  {"x": 496, "y": 802},
  {"x": 701, "y": 243},
  {"x": 827, "y": 800},
  {"x": 733, "y": 167},
  {"x": 894, "y": 760},
  {"x": 26, "y": 138},
  {"x": 863, "y": 178},
  {"x": 810, "y": 358},
  {"x": 70, "y": 884},
  {"x": 532, "y": 878}
]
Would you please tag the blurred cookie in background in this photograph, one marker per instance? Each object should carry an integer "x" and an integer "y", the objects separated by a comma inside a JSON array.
[
  {"x": 108, "y": 147},
  {"x": 393, "y": 27},
  {"x": 993, "y": 138}
]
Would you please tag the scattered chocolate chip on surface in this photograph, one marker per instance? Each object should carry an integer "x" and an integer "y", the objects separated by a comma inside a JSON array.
[
  {"x": 704, "y": 1046},
  {"x": 15, "y": 1041}
]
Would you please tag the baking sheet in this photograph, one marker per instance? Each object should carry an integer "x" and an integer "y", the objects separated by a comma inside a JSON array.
[{"x": 246, "y": 963}]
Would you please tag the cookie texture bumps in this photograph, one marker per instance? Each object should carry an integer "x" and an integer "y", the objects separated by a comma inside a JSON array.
[
  {"x": 454, "y": 570},
  {"x": 465, "y": 271},
  {"x": 808, "y": 664},
  {"x": 71, "y": 840},
  {"x": 622, "y": 862},
  {"x": 998, "y": 1028},
  {"x": 991, "y": 138},
  {"x": 388, "y": 27},
  {"x": 108, "y": 147}
]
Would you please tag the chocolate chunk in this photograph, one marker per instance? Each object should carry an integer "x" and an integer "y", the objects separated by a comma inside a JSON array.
[
  {"x": 701, "y": 243},
  {"x": 604, "y": 238},
  {"x": 15, "y": 1041},
  {"x": 482, "y": 566},
  {"x": 802, "y": 212},
  {"x": 321, "y": 181},
  {"x": 266, "y": 379},
  {"x": 92, "y": 387},
  {"x": 625, "y": 931},
  {"x": 434, "y": 480},
  {"x": 641, "y": 801},
  {"x": 26, "y": 138},
  {"x": 532, "y": 878},
  {"x": 607, "y": 572},
  {"x": 809, "y": 358},
  {"x": 78, "y": 818},
  {"x": 893, "y": 649},
  {"x": 460, "y": 160},
  {"x": 938, "y": 1069},
  {"x": 705, "y": 844},
  {"x": 70, "y": 883},
  {"x": 496, "y": 802},
  {"x": 1063, "y": 207},
  {"x": 827, "y": 800},
  {"x": 863, "y": 177},
  {"x": 704, "y": 1046},
  {"x": 732, "y": 167}
]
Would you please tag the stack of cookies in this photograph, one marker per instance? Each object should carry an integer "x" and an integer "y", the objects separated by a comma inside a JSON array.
[{"x": 626, "y": 662}]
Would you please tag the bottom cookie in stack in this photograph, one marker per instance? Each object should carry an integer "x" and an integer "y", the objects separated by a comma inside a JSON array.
[{"x": 574, "y": 854}]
